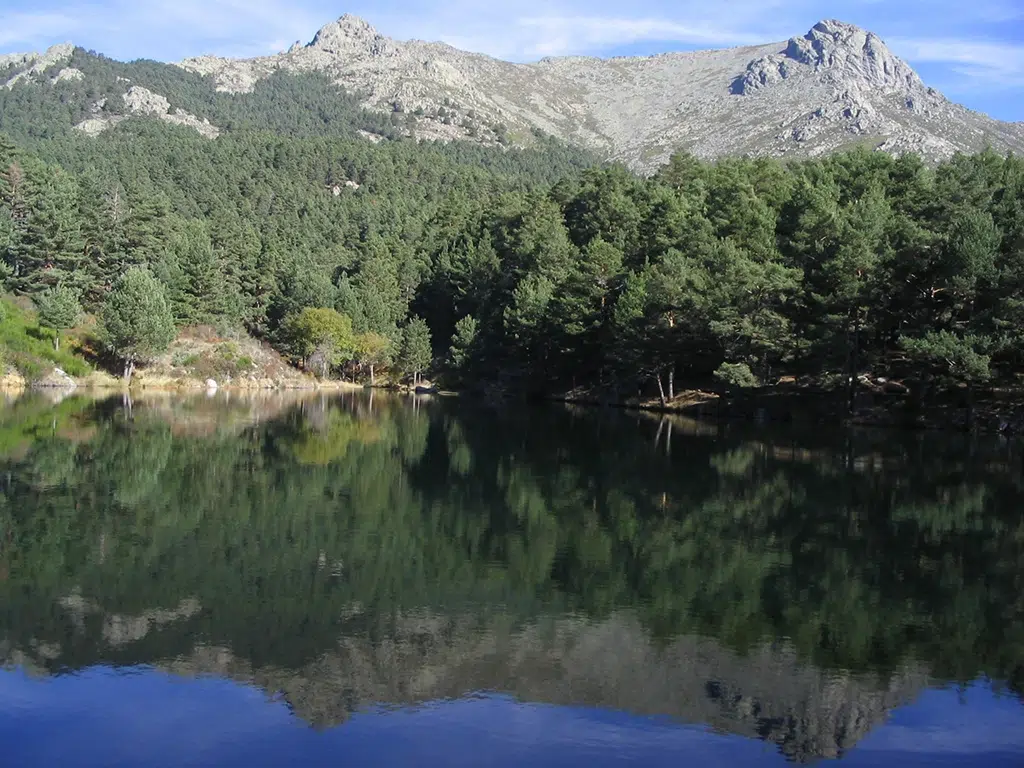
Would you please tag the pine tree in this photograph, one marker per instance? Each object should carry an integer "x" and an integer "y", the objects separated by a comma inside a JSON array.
[
  {"x": 59, "y": 309},
  {"x": 13, "y": 213},
  {"x": 462, "y": 343},
  {"x": 117, "y": 234},
  {"x": 49, "y": 251},
  {"x": 416, "y": 352},
  {"x": 377, "y": 291},
  {"x": 137, "y": 323},
  {"x": 198, "y": 290},
  {"x": 7, "y": 150}
]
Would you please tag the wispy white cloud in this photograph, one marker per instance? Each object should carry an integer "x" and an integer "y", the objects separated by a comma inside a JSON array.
[
  {"x": 560, "y": 35},
  {"x": 998, "y": 64},
  {"x": 33, "y": 29},
  {"x": 529, "y": 29},
  {"x": 163, "y": 29},
  {"x": 234, "y": 26}
]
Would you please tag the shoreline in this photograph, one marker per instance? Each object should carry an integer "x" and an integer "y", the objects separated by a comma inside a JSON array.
[
  {"x": 14, "y": 383},
  {"x": 992, "y": 413}
]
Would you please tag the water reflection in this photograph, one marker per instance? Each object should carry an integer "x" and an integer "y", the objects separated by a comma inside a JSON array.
[
  {"x": 349, "y": 552},
  {"x": 146, "y": 717}
]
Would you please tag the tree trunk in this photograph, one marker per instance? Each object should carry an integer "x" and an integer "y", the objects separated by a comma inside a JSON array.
[
  {"x": 672, "y": 384},
  {"x": 56, "y": 342},
  {"x": 129, "y": 370},
  {"x": 854, "y": 365},
  {"x": 372, "y": 380},
  {"x": 970, "y": 406},
  {"x": 661, "y": 389}
]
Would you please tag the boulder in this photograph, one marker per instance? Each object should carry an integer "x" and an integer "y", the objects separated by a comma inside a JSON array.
[{"x": 55, "y": 379}]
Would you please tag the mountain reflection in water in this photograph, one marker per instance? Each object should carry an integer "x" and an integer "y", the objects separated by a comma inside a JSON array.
[{"x": 343, "y": 554}]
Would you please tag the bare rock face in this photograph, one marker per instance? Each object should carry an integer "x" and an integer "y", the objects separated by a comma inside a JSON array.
[
  {"x": 94, "y": 126},
  {"x": 67, "y": 74},
  {"x": 143, "y": 102},
  {"x": 764, "y": 72},
  {"x": 29, "y": 65},
  {"x": 835, "y": 86},
  {"x": 864, "y": 89},
  {"x": 851, "y": 53},
  {"x": 841, "y": 54},
  {"x": 350, "y": 34}
]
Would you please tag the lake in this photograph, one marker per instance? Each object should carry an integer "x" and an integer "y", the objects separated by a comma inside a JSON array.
[{"x": 380, "y": 580}]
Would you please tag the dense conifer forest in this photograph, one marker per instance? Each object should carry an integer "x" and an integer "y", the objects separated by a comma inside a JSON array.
[{"x": 539, "y": 269}]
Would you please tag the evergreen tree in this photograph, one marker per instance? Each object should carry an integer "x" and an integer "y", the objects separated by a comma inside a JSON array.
[
  {"x": 7, "y": 150},
  {"x": 199, "y": 290},
  {"x": 462, "y": 343},
  {"x": 59, "y": 309},
  {"x": 137, "y": 322},
  {"x": 374, "y": 293},
  {"x": 416, "y": 354},
  {"x": 48, "y": 250}
]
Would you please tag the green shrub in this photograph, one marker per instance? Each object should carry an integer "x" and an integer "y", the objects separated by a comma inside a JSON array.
[
  {"x": 228, "y": 351},
  {"x": 29, "y": 348},
  {"x": 182, "y": 359},
  {"x": 737, "y": 375}
]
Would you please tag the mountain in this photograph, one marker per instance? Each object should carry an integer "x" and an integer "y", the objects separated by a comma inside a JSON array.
[{"x": 836, "y": 86}]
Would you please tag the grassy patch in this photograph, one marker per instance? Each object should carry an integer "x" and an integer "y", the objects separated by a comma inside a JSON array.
[
  {"x": 221, "y": 361},
  {"x": 26, "y": 346}
]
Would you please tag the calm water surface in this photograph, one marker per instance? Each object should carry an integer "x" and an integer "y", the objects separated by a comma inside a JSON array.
[{"x": 352, "y": 581}]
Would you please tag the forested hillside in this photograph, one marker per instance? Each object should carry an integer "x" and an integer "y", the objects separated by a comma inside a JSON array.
[{"x": 534, "y": 268}]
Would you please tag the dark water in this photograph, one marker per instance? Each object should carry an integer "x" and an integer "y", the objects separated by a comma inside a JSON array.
[{"x": 354, "y": 582}]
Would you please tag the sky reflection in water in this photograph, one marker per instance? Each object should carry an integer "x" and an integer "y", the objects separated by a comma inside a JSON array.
[{"x": 106, "y": 717}]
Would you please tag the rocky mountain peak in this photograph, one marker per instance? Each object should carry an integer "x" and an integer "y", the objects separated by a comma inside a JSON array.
[
  {"x": 851, "y": 53},
  {"x": 835, "y": 86},
  {"x": 856, "y": 65},
  {"x": 348, "y": 33},
  {"x": 28, "y": 65}
]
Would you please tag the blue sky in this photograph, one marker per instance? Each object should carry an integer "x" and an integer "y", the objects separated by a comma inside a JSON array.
[{"x": 972, "y": 50}]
